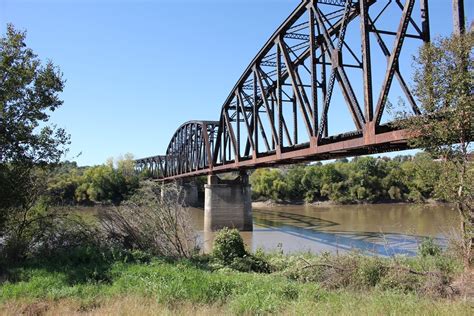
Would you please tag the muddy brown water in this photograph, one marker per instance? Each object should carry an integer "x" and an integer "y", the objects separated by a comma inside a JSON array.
[{"x": 383, "y": 229}]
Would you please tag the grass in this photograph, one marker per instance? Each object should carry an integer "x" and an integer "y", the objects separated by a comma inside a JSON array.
[
  {"x": 334, "y": 304},
  {"x": 111, "y": 283}
]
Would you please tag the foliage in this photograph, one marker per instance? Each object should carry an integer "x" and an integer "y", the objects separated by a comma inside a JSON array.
[
  {"x": 229, "y": 251},
  {"x": 423, "y": 275},
  {"x": 443, "y": 85},
  {"x": 228, "y": 245},
  {"x": 153, "y": 220},
  {"x": 362, "y": 180},
  {"x": 28, "y": 93},
  {"x": 292, "y": 180},
  {"x": 268, "y": 183},
  {"x": 39, "y": 231},
  {"x": 68, "y": 184},
  {"x": 428, "y": 247}
]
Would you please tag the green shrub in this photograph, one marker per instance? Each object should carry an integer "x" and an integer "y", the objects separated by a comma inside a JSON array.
[
  {"x": 371, "y": 271},
  {"x": 428, "y": 247},
  {"x": 250, "y": 263},
  {"x": 228, "y": 245},
  {"x": 229, "y": 251},
  {"x": 401, "y": 280}
]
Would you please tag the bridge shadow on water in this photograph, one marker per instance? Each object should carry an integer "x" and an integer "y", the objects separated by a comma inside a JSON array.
[{"x": 315, "y": 230}]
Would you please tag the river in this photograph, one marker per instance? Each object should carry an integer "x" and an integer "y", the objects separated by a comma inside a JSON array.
[{"x": 384, "y": 229}]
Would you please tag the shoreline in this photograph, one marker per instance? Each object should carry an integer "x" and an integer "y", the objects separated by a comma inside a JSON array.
[{"x": 273, "y": 203}]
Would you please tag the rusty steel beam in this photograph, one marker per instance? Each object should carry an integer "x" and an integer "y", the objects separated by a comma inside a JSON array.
[
  {"x": 459, "y": 26},
  {"x": 393, "y": 60},
  {"x": 383, "y": 142},
  {"x": 366, "y": 60}
]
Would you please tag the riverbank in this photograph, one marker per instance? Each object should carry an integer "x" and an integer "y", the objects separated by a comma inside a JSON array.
[
  {"x": 272, "y": 203},
  {"x": 96, "y": 282}
]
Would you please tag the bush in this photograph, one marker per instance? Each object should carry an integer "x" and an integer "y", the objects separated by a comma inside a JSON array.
[
  {"x": 429, "y": 276},
  {"x": 228, "y": 245},
  {"x": 250, "y": 263},
  {"x": 428, "y": 247},
  {"x": 371, "y": 271},
  {"x": 229, "y": 251},
  {"x": 40, "y": 231}
]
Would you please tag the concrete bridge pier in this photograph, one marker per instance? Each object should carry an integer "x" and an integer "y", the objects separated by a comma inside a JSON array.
[
  {"x": 228, "y": 203},
  {"x": 188, "y": 193}
]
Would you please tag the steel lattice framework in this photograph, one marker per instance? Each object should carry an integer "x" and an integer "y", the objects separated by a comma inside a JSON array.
[{"x": 308, "y": 72}]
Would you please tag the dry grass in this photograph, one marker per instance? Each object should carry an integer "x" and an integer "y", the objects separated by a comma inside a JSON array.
[
  {"x": 127, "y": 305},
  {"x": 144, "y": 306}
]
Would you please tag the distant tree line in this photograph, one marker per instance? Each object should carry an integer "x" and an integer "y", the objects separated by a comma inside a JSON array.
[
  {"x": 361, "y": 180},
  {"x": 107, "y": 183}
]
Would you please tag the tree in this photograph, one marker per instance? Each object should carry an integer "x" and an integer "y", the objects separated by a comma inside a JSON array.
[
  {"x": 443, "y": 85},
  {"x": 295, "y": 189},
  {"x": 268, "y": 183},
  {"x": 421, "y": 176},
  {"x": 29, "y": 91}
]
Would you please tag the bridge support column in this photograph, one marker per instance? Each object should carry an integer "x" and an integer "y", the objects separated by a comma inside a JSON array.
[
  {"x": 190, "y": 191},
  {"x": 228, "y": 203}
]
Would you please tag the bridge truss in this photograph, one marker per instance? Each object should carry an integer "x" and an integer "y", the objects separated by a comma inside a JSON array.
[{"x": 331, "y": 63}]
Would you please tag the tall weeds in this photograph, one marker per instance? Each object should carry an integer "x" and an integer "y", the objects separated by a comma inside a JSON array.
[{"x": 153, "y": 220}]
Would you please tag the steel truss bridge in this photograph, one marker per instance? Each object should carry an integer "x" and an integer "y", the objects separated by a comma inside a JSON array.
[{"x": 330, "y": 61}]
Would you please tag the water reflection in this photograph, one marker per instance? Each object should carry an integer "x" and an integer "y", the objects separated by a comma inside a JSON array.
[{"x": 382, "y": 229}]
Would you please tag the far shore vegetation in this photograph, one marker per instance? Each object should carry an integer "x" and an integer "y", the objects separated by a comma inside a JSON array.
[
  {"x": 360, "y": 180},
  {"x": 413, "y": 179}
]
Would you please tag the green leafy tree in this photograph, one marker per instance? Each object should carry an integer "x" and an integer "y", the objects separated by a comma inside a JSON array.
[
  {"x": 29, "y": 91},
  {"x": 443, "y": 85},
  {"x": 333, "y": 186},
  {"x": 294, "y": 188},
  {"x": 393, "y": 183},
  {"x": 100, "y": 184},
  {"x": 105, "y": 183},
  {"x": 312, "y": 183},
  {"x": 126, "y": 167},
  {"x": 421, "y": 176},
  {"x": 63, "y": 182},
  {"x": 268, "y": 183},
  {"x": 364, "y": 178}
]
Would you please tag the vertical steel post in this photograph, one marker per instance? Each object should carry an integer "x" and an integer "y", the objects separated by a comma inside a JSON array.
[
  {"x": 324, "y": 88},
  {"x": 314, "y": 77},
  {"x": 458, "y": 17},
  {"x": 272, "y": 107},
  {"x": 366, "y": 61},
  {"x": 279, "y": 99},
  {"x": 425, "y": 20},
  {"x": 255, "y": 113},
  {"x": 295, "y": 120},
  {"x": 237, "y": 154}
]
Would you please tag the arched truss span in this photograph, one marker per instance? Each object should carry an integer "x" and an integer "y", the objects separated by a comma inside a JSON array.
[
  {"x": 318, "y": 89},
  {"x": 189, "y": 150}
]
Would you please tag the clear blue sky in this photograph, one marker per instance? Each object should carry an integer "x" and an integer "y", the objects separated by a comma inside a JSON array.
[{"x": 136, "y": 70}]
